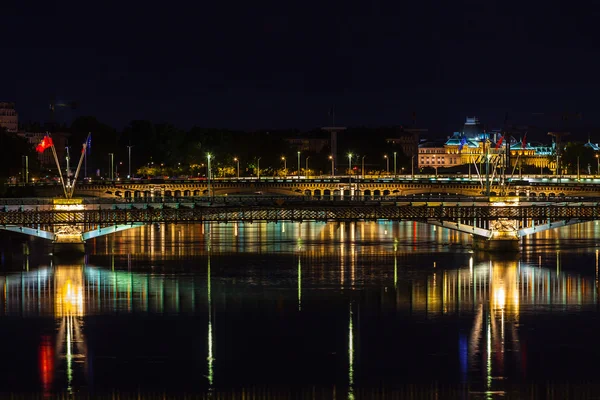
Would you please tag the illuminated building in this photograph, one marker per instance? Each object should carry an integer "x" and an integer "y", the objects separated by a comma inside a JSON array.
[{"x": 9, "y": 118}]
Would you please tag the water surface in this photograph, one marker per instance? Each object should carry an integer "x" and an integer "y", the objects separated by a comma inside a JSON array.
[{"x": 343, "y": 309}]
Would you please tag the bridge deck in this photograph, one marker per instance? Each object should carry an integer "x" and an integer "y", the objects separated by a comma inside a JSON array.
[{"x": 294, "y": 209}]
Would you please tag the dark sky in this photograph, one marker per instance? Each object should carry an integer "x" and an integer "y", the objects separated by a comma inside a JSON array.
[{"x": 279, "y": 64}]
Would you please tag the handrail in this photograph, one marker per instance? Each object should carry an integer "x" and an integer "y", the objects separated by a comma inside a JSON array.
[{"x": 262, "y": 199}]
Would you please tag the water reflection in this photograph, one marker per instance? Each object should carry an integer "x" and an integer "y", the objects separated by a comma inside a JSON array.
[{"x": 342, "y": 313}]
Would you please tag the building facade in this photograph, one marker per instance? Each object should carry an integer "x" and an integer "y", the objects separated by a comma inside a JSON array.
[
  {"x": 9, "y": 118},
  {"x": 408, "y": 140}
]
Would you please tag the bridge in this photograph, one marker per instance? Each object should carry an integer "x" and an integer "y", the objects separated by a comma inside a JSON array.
[
  {"x": 317, "y": 186},
  {"x": 496, "y": 223}
]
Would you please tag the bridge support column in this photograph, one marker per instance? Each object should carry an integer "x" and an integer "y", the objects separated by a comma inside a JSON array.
[
  {"x": 507, "y": 245},
  {"x": 68, "y": 248},
  {"x": 504, "y": 237},
  {"x": 68, "y": 240}
]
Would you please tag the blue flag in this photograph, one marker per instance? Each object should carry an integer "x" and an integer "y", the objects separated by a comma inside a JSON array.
[
  {"x": 463, "y": 141},
  {"x": 89, "y": 144}
]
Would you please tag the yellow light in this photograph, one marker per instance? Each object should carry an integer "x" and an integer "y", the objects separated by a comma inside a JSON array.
[{"x": 499, "y": 297}]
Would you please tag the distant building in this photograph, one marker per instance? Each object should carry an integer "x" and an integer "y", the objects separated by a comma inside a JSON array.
[
  {"x": 407, "y": 139},
  {"x": 9, "y": 118},
  {"x": 314, "y": 145},
  {"x": 473, "y": 129},
  {"x": 46, "y": 158}
]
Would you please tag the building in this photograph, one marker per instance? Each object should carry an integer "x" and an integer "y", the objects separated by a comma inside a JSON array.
[
  {"x": 407, "y": 139},
  {"x": 46, "y": 158},
  {"x": 473, "y": 129},
  {"x": 436, "y": 155},
  {"x": 9, "y": 118},
  {"x": 460, "y": 150},
  {"x": 305, "y": 144}
]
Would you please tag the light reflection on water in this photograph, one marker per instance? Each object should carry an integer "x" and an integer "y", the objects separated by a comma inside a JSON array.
[{"x": 371, "y": 284}]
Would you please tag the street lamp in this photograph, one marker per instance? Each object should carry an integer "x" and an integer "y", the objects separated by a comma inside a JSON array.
[
  {"x": 307, "y": 174},
  {"x": 284, "y": 164},
  {"x": 129, "y": 151},
  {"x": 258, "y": 167},
  {"x": 363, "y": 167},
  {"x": 298, "y": 165},
  {"x": 332, "y": 168},
  {"x": 208, "y": 157},
  {"x": 111, "y": 157},
  {"x": 598, "y": 159},
  {"x": 395, "y": 164},
  {"x": 387, "y": 162},
  {"x": 237, "y": 160}
]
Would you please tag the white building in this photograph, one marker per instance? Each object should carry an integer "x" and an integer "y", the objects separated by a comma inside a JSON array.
[{"x": 9, "y": 118}]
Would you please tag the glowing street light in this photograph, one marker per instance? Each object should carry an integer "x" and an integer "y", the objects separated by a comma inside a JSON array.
[
  {"x": 332, "y": 167},
  {"x": 307, "y": 174},
  {"x": 298, "y": 165},
  {"x": 387, "y": 161},
  {"x": 237, "y": 160},
  {"x": 284, "y": 164},
  {"x": 208, "y": 157}
]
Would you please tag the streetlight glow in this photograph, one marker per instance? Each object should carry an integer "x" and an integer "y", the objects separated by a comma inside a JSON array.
[{"x": 208, "y": 157}]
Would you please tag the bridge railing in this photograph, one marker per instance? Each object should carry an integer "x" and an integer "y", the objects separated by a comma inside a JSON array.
[{"x": 249, "y": 200}]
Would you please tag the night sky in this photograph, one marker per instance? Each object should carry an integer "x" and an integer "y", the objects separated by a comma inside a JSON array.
[{"x": 279, "y": 64}]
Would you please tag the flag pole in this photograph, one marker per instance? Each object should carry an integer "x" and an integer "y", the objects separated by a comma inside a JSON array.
[
  {"x": 79, "y": 165},
  {"x": 62, "y": 182}
]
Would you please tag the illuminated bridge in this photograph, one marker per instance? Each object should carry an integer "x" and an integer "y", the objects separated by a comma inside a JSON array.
[
  {"x": 318, "y": 187},
  {"x": 495, "y": 223}
]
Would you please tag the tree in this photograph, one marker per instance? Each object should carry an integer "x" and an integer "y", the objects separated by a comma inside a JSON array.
[
  {"x": 11, "y": 162},
  {"x": 576, "y": 154},
  {"x": 104, "y": 140}
]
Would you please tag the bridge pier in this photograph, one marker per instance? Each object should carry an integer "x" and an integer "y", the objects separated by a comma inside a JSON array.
[
  {"x": 504, "y": 245},
  {"x": 68, "y": 248}
]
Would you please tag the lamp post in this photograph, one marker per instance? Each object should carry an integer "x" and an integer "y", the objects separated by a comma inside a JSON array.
[
  {"x": 412, "y": 166},
  {"x": 208, "y": 157},
  {"x": 387, "y": 163},
  {"x": 395, "y": 164},
  {"x": 332, "y": 167},
  {"x": 111, "y": 157},
  {"x": 363, "y": 167},
  {"x": 298, "y": 165},
  {"x": 237, "y": 160},
  {"x": 307, "y": 173},
  {"x": 129, "y": 166},
  {"x": 258, "y": 168},
  {"x": 284, "y": 164},
  {"x": 598, "y": 160}
]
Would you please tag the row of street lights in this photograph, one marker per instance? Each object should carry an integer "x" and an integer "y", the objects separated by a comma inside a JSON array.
[{"x": 331, "y": 158}]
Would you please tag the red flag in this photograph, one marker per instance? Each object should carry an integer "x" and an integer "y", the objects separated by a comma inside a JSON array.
[
  {"x": 44, "y": 144},
  {"x": 499, "y": 142},
  {"x": 524, "y": 143}
]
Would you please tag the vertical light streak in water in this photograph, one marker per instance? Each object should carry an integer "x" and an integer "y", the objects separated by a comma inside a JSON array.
[
  {"x": 69, "y": 355},
  {"x": 299, "y": 284},
  {"x": 463, "y": 356},
  {"x": 558, "y": 262},
  {"x": 352, "y": 252},
  {"x": 395, "y": 271},
  {"x": 210, "y": 332},
  {"x": 596, "y": 292},
  {"x": 342, "y": 252},
  {"x": 350, "y": 356},
  {"x": 489, "y": 354}
]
